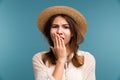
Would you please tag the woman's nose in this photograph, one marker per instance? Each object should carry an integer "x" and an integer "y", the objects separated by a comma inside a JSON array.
[{"x": 59, "y": 31}]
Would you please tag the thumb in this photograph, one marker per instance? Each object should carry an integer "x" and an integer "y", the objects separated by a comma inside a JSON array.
[{"x": 52, "y": 48}]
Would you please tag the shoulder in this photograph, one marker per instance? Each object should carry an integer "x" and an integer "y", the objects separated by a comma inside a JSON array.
[
  {"x": 38, "y": 55},
  {"x": 87, "y": 55}
]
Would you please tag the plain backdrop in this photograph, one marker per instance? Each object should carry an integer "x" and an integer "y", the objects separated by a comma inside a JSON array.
[{"x": 20, "y": 38}]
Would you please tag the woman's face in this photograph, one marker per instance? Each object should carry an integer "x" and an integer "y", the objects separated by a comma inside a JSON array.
[{"x": 61, "y": 27}]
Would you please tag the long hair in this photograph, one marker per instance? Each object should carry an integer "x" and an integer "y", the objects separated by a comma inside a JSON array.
[{"x": 76, "y": 39}]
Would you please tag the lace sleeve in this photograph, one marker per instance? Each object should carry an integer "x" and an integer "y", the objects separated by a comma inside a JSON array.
[
  {"x": 89, "y": 67},
  {"x": 40, "y": 69},
  {"x": 91, "y": 72}
]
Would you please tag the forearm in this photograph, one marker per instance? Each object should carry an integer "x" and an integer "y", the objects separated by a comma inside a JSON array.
[{"x": 59, "y": 70}]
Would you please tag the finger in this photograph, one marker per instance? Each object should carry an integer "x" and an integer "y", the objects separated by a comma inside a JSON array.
[
  {"x": 59, "y": 41},
  {"x": 55, "y": 39},
  {"x": 62, "y": 43}
]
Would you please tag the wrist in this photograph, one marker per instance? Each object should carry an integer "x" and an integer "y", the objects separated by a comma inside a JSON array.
[{"x": 61, "y": 61}]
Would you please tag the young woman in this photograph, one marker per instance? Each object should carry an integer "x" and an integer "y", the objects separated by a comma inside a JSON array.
[{"x": 64, "y": 28}]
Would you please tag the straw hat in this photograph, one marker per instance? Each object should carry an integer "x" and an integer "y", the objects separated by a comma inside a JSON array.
[{"x": 73, "y": 13}]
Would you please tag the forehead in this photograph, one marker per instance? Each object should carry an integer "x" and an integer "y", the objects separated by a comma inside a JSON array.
[{"x": 60, "y": 19}]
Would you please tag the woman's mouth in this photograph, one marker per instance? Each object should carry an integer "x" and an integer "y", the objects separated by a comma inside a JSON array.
[{"x": 62, "y": 37}]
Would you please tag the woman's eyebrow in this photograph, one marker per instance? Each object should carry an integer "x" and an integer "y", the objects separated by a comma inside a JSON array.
[
  {"x": 62, "y": 24},
  {"x": 66, "y": 24}
]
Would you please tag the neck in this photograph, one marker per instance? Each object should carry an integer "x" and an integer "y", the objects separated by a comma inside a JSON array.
[{"x": 68, "y": 50}]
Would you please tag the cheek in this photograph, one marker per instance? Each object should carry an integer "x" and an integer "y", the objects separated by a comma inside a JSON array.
[
  {"x": 69, "y": 35},
  {"x": 51, "y": 33}
]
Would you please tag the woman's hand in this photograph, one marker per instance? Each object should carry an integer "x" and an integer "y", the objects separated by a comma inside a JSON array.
[{"x": 59, "y": 48}]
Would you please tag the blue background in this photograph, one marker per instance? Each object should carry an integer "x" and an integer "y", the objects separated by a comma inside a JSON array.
[{"x": 20, "y": 38}]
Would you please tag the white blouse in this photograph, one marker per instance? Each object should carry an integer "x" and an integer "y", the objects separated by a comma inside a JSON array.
[{"x": 86, "y": 72}]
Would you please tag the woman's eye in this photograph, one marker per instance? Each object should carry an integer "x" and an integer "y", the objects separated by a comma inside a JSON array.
[
  {"x": 54, "y": 26},
  {"x": 66, "y": 27}
]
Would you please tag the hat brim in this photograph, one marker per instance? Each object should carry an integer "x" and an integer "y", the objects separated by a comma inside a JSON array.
[{"x": 76, "y": 15}]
